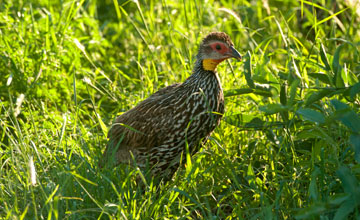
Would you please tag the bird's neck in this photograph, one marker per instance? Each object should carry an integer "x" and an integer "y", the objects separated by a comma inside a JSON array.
[
  {"x": 205, "y": 66},
  {"x": 202, "y": 78},
  {"x": 211, "y": 64}
]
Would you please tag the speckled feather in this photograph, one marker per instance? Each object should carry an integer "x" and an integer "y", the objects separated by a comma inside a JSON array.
[{"x": 156, "y": 129}]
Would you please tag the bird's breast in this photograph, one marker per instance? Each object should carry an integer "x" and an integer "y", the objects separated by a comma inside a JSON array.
[{"x": 200, "y": 109}]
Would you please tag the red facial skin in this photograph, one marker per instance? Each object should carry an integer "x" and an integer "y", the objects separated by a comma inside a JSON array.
[{"x": 223, "y": 48}]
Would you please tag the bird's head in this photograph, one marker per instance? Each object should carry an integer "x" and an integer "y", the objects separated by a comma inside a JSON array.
[{"x": 215, "y": 48}]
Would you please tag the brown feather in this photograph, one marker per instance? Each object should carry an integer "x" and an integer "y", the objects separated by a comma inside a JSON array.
[{"x": 155, "y": 132}]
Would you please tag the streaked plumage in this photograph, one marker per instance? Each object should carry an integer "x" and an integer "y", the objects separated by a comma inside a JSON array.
[{"x": 156, "y": 130}]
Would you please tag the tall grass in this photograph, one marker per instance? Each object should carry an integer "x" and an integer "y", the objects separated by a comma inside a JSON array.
[{"x": 289, "y": 144}]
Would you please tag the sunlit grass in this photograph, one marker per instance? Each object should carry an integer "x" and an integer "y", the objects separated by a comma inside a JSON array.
[{"x": 288, "y": 146}]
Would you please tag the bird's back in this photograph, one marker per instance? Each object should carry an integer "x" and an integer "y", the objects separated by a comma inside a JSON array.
[{"x": 156, "y": 130}]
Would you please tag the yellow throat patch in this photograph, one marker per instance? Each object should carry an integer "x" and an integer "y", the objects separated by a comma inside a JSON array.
[{"x": 210, "y": 64}]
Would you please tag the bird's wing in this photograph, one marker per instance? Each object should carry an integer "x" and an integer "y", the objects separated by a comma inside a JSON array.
[{"x": 141, "y": 127}]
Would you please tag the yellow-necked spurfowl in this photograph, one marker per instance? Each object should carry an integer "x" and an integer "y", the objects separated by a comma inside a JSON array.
[{"x": 157, "y": 130}]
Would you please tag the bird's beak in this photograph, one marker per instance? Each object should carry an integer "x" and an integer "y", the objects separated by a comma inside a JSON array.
[{"x": 234, "y": 53}]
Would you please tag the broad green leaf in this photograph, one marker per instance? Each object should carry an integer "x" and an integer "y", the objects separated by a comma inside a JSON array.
[
  {"x": 350, "y": 119},
  {"x": 255, "y": 123},
  {"x": 339, "y": 82},
  {"x": 339, "y": 105},
  {"x": 310, "y": 211},
  {"x": 316, "y": 96},
  {"x": 346, "y": 115},
  {"x": 311, "y": 115},
  {"x": 355, "y": 142},
  {"x": 263, "y": 93},
  {"x": 349, "y": 182},
  {"x": 293, "y": 87},
  {"x": 355, "y": 89},
  {"x": 317, "y": 133},
  {"x": 234, "y": 92},
  {"x": 243, "y": 120},
  {"x": 273, "y": 108},
  {"x": 350, "y": 185},
  {"x": 338, "y": 198},
  {"x": 345, "y": 209},
  {"x": 313, "y": 190},
  {"x": 320, "y": 76}
]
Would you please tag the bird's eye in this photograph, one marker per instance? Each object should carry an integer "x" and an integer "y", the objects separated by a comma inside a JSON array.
[{"x": 218, "y": 47}]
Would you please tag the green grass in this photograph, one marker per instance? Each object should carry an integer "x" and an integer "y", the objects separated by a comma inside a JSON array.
[{"x": 288, "y": 146}]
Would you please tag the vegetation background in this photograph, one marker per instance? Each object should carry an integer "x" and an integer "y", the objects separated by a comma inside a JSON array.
[{"x": 288, "y": 146}]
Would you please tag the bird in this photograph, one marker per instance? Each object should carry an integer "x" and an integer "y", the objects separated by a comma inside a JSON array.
[{"x": 156, "y": 132}]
